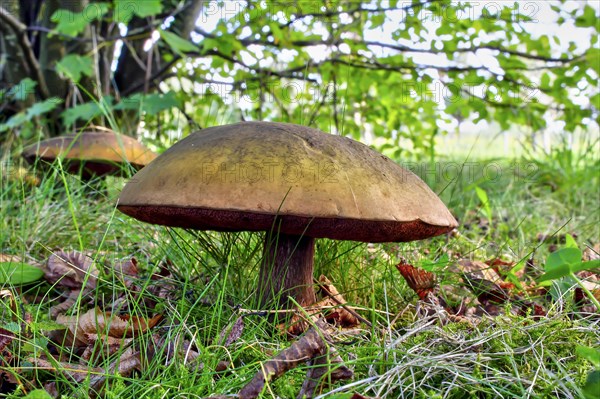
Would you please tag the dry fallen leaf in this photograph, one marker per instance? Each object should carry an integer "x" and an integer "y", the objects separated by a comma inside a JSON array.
[
  {"x": 95, "y": 322},
  {"x": 65, "y": 304},
  {"x": 421, "y": 281},
  {"x": 485, "y": 290},
  {"x": 6, "y": 337},
  {"x": 229, "y": 335},
  {"x": 12, "y": 303},
  {"x": 503, "y": 267},
  {"x": 6, "y": 356},
  {"x": 477, "y": 269},
  {"x": 591, "y": 253},
  {"x": 124, "y": 365},
  {"x": 126, "y": 271},
  {"x": 10, "y": 258},
  {"x": 72, "y": 270},
  {"x": 110, "y": 345},
  {"x": 340, "y": 314}
]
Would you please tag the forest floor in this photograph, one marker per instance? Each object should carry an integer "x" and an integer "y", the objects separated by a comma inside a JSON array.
[{"x": 118, "y": 308}]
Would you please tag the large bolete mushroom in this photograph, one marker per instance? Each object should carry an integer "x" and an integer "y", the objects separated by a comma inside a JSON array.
[
  {"x": 91, "y": 153},
  {"x": 296, "y": 183}
]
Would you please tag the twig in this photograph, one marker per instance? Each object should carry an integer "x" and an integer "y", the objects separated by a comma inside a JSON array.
[
  {"x": 321, "y": 375},
  {"x": 391, "y": 46},
  {"x": 313, "y": 345}
]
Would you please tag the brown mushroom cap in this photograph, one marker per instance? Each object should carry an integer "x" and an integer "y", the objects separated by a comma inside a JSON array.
[
  {"x": 98, "y": 153},
  {"x": 240, "y": 177}
]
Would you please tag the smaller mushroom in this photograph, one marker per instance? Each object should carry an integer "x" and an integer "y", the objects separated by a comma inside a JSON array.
[{"x": 91, "y": 153}]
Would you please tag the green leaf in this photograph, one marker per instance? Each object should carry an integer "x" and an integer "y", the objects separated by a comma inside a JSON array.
[
  {"x": 68, "y": 22},
  {"x": 73, "y": 66},
  {"x": 564, "y": 262},
  {"x": 485, "y": 202},
  {"x": 278, "y": 35},
  {"x": 591, "y": 389},
  {"x": 545, "y": 80},
  {"x": 377, "y": 20},
  {"x": 588, "y": 265},
  {"x": 588, "y": 18},
  {"x": 47, "y": 326},
  {"x": 177, "y": 43},
  {"x": 568, "y": 256},
  {"x": 14, "y": 121},
  {"x": 155, "y": 103},
  {"x": 35, "y": 345},
  {"x": 87, "y": 111},
  {"x": 555, "y": 273},
  {"x": 36, "y": 109},
  {"x": 13, "y": 327},
  {"x": 444, "y": 29},
  {"x": 595, "y": 100},
  {"x": 570, "y": 242},
  {"x": 22, "y": 90},
  {"x": 127, "y": 9},
  {"x": 74, "y": 23},
  {"x": 18, "y": 273},
  {"x": 592, "y": 355},
  {"x": 592, "y": 57},
  {"x": 38, "y": 394},
  {"x": 41, "y": 108},
  {"x": 151, "y": 103}
]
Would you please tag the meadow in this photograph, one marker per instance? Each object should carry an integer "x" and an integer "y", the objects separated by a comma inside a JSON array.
[{"x": 145, "y": 311}]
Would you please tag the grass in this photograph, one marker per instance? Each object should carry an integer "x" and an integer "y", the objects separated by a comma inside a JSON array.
[{"x": 208, "y": 280}]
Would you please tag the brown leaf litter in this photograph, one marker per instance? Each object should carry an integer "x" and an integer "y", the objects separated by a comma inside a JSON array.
[
  {"x": 333, "y": 307},
  {"x": 127, "y": 362},
  {"x": 113, "y": 331},
  {"x": 73, "y": 271},
  {"x": 483, "y": 279}
]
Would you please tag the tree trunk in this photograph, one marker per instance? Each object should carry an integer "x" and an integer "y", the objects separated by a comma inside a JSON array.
[
  {"x": 36, "y": 58},
  {"x": 286, "y": 271}
]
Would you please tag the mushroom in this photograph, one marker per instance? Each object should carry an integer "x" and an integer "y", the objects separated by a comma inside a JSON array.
[
  {"x": 294, "y": 182},
  {"x": 91, "y": 153}
]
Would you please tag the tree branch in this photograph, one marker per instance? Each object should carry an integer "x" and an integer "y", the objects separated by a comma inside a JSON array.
[
  {"x": 286, "y": 73},
  {"x": 360, "y": 8},
  {"x": 398, "y": 47},
  {"x": 31, "y": 62},
  {"x": 378, "y": 66}
]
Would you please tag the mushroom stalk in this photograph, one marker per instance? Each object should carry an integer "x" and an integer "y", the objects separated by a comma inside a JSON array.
[{"x": 287, "y": 271}]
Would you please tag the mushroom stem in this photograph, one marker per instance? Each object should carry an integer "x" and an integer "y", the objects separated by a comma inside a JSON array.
[{"x": 287, "y": 271}]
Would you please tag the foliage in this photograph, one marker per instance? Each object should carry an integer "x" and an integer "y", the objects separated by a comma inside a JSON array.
[
  {"x": 591, "y": 389},
  {"x": 18, "y": 273},
  {"x": 398, "y": 71},
  {"x": 563, "y": 265}
]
